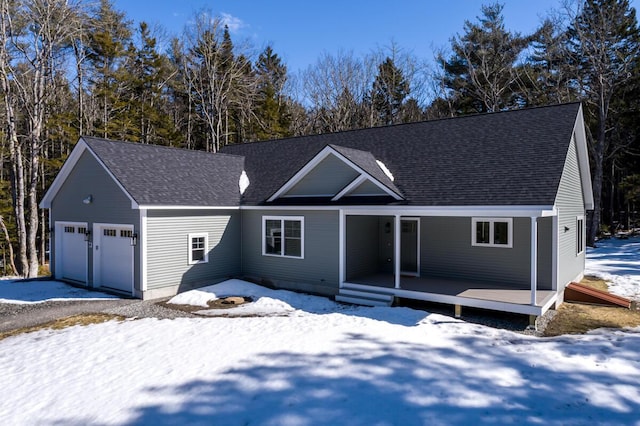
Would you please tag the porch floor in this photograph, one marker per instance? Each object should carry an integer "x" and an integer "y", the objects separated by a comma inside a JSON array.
[{"x": 485, "y": 291}]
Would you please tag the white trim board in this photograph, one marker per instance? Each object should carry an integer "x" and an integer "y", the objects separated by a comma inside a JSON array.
[
  {"x": 68, "y": 167},
  {"x": 315, "y": 161}
]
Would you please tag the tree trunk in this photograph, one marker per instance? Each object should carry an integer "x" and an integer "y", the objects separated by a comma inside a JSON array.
[
  {"x": 12, "y": 263},
  {"x": 598, "y": 160}
]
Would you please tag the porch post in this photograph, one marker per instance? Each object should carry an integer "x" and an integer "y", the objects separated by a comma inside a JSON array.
[
  {"x": 534, "y": 259},
  {"x": 554, "y": 253},
  {"x": 341, "y": 248},
  {"x": 396, "y": 246}
]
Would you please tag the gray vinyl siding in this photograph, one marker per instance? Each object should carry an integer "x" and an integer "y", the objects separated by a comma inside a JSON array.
[
  {"x": 367, "y": 188},
  {"x": 570, "y": 204},
  {"x": 168, "y": 247},
  {"x": 328, "y": 177},
  {"x": 446, "y": 251},
  {"x": 109, "y": 205},
  {"x": 319, "y": 270},
  {"x": 363, "y": 242}
]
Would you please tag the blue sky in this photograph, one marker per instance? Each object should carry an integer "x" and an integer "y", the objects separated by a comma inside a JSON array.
[{"x": 300, "y": 31}]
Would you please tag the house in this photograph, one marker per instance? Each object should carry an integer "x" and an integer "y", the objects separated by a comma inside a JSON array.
[{"x": 484, "y": 210}]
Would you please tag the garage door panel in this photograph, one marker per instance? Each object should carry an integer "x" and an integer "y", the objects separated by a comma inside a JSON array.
[
  {"x": 73, "y": 252},
  {"x": 115, "y": 255}
]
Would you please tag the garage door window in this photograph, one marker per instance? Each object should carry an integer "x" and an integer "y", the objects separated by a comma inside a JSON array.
[{"x": 198, "y": 244}]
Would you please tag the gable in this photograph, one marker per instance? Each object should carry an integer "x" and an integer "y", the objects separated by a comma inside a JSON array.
[
  {"x": 327, "y": 178},
  {"x": 89, "y": 168},
  {"x": 336, "y": 172}
]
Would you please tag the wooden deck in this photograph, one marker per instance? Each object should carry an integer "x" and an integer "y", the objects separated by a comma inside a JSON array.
[{"x": 460, "y": 292}]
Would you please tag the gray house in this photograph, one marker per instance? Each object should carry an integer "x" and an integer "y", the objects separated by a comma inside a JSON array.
[{"x": 485, "y": 211}]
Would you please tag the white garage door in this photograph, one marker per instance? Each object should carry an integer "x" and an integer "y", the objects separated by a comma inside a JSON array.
[
  {"x": 71, "y": 252},
  {"x": 114, "y": 257}
]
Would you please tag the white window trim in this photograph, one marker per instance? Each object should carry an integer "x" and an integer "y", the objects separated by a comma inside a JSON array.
[
  {"x": 190, "y": 249},
  {"x": 492, "y": 221},
  {"x": 282, "y": 219},
  {"x": 580, "y": 230}
]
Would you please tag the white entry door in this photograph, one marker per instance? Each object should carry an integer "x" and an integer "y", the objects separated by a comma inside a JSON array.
[
  {"x": 113, "y": 257},
  {"x": 71, "y": 251}
]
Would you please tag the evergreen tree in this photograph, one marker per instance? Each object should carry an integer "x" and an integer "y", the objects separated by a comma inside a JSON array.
[
  {"x": 390, "y": 89},
  {"x": 273, "y": 119},
  {"x": 109, "y": 37},
  {"x": 147, "y": 108},
  {"x": 481, "y": 74},
  {"x": 604, "y": 43}
]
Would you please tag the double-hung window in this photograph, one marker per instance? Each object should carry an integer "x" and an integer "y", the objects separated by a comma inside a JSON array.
[
  {"x": 198, "y": 252},
  {"x": 492, "y": 232},
  {"x": 283, "y": 236}
]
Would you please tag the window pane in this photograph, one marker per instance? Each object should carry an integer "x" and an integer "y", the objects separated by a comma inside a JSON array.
[
  {"x": 580, "y": 235},
  {"x": 501, "y": 233},
  {"x": 197, "y": 255},
  {"x": 482, "y": 233},
  {"x": 273, "y": 237},
  {"x": 292, "y": 228},
  {"x": 292, "y": 247}
]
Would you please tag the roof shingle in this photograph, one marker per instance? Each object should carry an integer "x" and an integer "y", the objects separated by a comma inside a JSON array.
[
  {"x": 505, "y": 158},
  {"x": 163, "y": 176}
]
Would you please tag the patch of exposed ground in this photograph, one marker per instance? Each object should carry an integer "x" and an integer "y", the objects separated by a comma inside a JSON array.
[
  {"x": 58, "y": 324},
  {"x": 577, "y": 318}
]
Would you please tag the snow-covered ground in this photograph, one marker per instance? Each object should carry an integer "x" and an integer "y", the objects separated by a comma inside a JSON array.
[
  {"x": 617, "y": 261},
  {"x": 308, "y": 361},
  {"x": 17, "y": 291}
]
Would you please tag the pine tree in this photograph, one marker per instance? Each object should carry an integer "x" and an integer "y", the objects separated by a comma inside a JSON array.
[
  {"x": 604, "y": 42},
  {"x": 109, "y": 37},
  {"x": 149, "y": 74},
  {"x": 481, "y": 74},
  {"x": 390, "y": 89},
  {"x": 272, "y": 115}
]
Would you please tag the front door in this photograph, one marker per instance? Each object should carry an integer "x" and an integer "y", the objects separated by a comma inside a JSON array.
[{"x": 410, "y": 246}]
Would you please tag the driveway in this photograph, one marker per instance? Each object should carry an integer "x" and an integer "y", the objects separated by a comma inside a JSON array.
[{"x": 20, "y": 315}]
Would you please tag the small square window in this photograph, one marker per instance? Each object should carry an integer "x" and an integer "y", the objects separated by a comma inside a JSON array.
[{"x": 198, "y": 248}]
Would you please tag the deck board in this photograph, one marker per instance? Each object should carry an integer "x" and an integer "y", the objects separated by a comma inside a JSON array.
[{"x": 459, "y": 288}]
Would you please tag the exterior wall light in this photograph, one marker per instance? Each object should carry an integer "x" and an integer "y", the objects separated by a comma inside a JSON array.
[
  {"x": 134, "y": 239},
  {"x": 88, "y": 199},
  {"x": 87, "y": 235}
]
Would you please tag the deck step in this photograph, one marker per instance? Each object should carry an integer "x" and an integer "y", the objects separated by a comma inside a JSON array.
[{"x": 363, "y": 297}]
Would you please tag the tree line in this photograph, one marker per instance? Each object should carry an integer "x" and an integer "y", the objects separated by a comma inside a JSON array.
[{"x": 74, "y": 67}]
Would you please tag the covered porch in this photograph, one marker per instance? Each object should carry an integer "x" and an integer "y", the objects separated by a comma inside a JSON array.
[{"x": 431, "y": 255}]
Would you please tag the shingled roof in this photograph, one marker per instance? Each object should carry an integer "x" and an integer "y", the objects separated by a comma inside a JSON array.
[
  {"x": 505, "y": 158},
  {"x": 163, "y": 176}
]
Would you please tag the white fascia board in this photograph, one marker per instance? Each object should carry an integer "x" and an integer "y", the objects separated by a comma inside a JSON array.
[
  {"x": 172, "y": 207},
  {"x": 455, "y": 211},
  {"x": 583, "y": 160},
  {"x": 63, "y": 174},
  {"x": 324, "y": 153},
  {"x": 311, "y": 164},
  {"x": 459, "y": 211},
  {"x": 373, "y": 180},
  {"x": 353, "y": 185},
  {"x": 68, "y": 166}
]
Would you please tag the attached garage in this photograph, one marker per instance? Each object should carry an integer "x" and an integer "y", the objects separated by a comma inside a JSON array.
[
  {"x": 113, "y": 256},
  {"x": 71, "y": 249}
]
